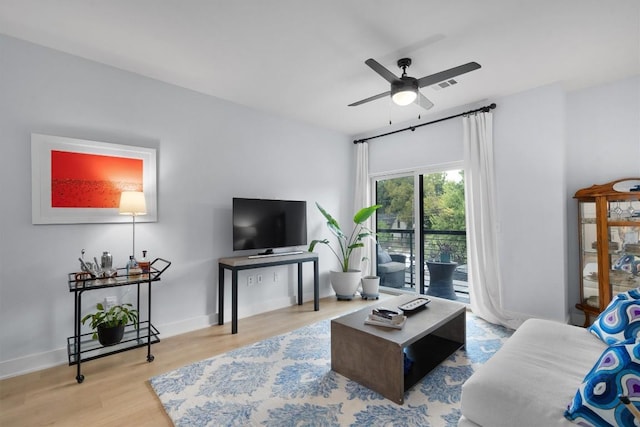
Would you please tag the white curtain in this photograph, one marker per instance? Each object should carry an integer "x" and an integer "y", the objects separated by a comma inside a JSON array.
[
  {"x": 362, "y": 199},
  {"x": 481, "y": 216}
]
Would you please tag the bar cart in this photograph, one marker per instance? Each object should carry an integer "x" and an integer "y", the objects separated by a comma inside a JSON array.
[
  {"x": 609, "y": 222},
  {"x": 81, "y": 347}
]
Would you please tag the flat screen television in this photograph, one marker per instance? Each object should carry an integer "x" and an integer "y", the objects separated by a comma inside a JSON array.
[{"x": 268, "y": 224}]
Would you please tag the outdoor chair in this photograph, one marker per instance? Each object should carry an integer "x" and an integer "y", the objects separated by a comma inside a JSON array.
[{"x": 391, "y": 268}]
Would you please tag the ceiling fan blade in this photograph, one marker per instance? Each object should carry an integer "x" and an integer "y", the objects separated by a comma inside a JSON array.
[
  {"x": 380, "y": 69},
  {"x": 447, "y": 74},
  {"x": 423, "y": 101},
  {"x": 371, "y": 98}
]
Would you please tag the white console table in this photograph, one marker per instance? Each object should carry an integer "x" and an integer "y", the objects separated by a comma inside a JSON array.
[{"x": 236, "y": 264}]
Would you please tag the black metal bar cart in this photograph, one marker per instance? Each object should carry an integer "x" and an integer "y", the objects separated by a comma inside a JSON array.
[{"x": 81, "y": 347}]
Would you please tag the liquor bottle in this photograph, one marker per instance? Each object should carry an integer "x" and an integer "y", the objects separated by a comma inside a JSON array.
[
  {"x": 144, "y": 265},
  {"x": 133, "y": 269}
]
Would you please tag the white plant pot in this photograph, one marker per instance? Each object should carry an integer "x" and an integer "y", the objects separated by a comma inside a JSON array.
[
  {"x": 345, "y": 284},
  {"x": 370, "y": 287}
]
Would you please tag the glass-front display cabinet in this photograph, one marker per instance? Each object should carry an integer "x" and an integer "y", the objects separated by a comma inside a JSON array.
[{"x": 609, "y": 222}]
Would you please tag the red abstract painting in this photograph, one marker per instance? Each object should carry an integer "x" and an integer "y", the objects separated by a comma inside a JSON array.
[{"x": 80, "y": 180}]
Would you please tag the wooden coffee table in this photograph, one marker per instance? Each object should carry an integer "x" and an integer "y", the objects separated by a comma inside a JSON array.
[{"x": 374, "y": 355}]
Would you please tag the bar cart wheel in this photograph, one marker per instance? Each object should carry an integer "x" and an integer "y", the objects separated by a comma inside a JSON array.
[
  {"x": 80, "y": 378},
  {"x": 150, "y": 358}
]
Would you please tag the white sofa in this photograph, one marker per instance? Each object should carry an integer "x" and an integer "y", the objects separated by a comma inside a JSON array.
[{"x": 532, "y": 378}]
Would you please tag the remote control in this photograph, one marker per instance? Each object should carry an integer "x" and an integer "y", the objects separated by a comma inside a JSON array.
[{"x": 415, "y": 304}]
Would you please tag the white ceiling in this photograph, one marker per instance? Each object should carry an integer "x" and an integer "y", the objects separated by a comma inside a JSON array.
[{"x": 304, "y": 59}]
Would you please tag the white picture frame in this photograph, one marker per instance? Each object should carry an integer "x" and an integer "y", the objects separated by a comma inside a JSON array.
[{"x": 68, "y": 207}]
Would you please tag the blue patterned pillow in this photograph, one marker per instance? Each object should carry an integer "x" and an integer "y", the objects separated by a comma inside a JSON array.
[
  {"x": 620, "y": 321},
  {"x": 617, "y": 372},
  {"x": 632, "y": 294}
]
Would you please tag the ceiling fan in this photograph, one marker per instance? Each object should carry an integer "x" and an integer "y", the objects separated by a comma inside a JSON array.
[{"x": 405, "y": 89}]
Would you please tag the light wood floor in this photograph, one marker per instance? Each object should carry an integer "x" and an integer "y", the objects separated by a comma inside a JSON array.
[{"x": 116, "y": 391}]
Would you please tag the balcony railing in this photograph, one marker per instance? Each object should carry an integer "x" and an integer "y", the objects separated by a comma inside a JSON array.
[{"x": 438, "y": 245}]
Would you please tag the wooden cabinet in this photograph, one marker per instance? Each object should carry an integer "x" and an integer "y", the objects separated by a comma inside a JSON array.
[{"x": 609, "y": 233}]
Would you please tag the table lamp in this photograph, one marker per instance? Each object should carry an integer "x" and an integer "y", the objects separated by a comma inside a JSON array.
[{"x": 133, "y": 203}]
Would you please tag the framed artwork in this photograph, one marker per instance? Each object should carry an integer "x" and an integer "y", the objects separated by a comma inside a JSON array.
[{"x": 77, "y": 181}]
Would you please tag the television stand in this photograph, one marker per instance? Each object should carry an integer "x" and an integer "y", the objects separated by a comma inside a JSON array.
[
  {"x": 272, "y": 254},
  {"x": 236, "y": 264}
]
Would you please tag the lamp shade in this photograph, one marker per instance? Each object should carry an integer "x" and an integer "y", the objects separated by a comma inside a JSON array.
[{"x": 132, "y": 203}]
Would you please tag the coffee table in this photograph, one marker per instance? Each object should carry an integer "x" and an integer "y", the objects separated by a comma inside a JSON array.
[{"x": 374, "y": 355}]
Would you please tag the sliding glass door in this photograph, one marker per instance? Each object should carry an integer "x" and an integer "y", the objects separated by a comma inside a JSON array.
[
  {"x": 395, "y": 231},
  {"x": 444, "y": 236},
  {"x": 421, "y": 228}
]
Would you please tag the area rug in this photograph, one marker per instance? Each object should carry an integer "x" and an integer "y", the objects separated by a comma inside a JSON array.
[{"x": 287, "y": 380}]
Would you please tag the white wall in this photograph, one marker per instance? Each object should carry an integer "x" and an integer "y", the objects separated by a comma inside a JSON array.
[
  {"x": 436, "y": 144},
  {"x": 529, "y": 138},
  {"x": 529, "y": 159},
  {"x": 209, "y": 150},
  {"x": 603, "y": 145},
  {"x": 548, "y": 144}
]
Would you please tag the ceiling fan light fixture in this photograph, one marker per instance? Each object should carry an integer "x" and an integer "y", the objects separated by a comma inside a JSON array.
[
  {"x": 404, "y": 91},
  {"x": 404, "y": 97}
]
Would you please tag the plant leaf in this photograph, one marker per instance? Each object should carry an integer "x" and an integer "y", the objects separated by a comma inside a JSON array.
[
  {"x": 313, "y": 243},
  {"x": 363, "y": 214},
  {"x": 331, "y": 220},
  {"x": 363, "y": 235},
  {"x": 335, "y": 229}
]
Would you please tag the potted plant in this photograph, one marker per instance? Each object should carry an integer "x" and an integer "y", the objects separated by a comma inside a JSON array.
[
  {"x": 445, "y": 252},
  {"x": 370, "y": 287},
  {"x": 346, "y": 282},
  {"x": 108, "y": 324}
]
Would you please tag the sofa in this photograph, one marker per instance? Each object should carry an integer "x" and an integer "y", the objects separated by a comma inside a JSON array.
[
  {"x": 390, "y": 268},
  {"x": 547, "y": 369}
]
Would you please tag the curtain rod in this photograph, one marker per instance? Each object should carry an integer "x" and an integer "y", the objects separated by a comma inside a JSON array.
[{"x": 484, "y": 109}]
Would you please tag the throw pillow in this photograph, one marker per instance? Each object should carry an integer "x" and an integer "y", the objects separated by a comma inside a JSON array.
[
  {"x": 617, "y": 372},
  {"x": 383, "y": 256},
  {"x": 631, "y": 294},
  {"x": 620, "y": 321}
]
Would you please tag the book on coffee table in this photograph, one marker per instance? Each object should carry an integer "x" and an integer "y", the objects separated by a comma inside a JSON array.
[{"x": 397, "y": 323}]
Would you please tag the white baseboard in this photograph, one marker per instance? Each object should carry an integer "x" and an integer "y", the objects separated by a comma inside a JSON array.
[
  {"x": 57, "y": 357},
  {"x": 33, "y": 363},
  {"x": 189, "y": 325},
  {"x": 37, "y": 362}
]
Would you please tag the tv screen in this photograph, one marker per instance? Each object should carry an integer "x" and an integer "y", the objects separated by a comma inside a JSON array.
[{"x": 268, "y": 224}]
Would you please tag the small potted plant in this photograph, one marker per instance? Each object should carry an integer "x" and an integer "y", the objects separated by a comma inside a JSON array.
[
  {"x": 346, "y": 282},
  {"x": 370, "y": 287},
  {"x": 445, "y": 252},
  {"x": 108, "y": 324}
]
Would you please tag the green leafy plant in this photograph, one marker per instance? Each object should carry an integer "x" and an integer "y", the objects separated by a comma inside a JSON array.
[
  {"x": 117, "y": 315},
  {"x": 445, "y": 248},
  {"x": 346, "y": 244}
]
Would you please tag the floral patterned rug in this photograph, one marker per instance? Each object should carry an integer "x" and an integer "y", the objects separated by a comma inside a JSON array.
[{"x": 287, "y": 380}]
